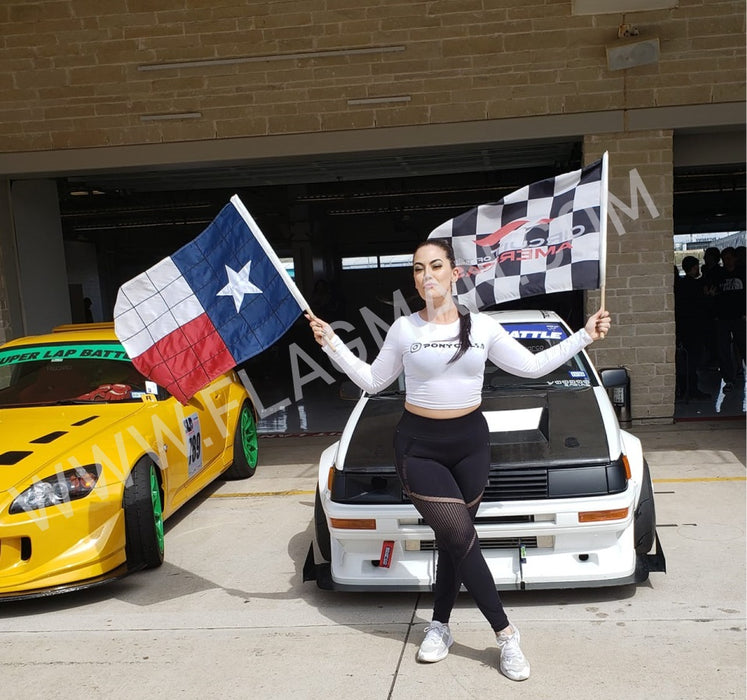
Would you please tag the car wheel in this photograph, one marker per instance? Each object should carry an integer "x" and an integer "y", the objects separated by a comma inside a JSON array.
[
  {"x": 245, "y": 447},
  {"x": 143, "y": 510},
  {"x": 321, "y": 529},
  {"x": 645, "y": 515}
]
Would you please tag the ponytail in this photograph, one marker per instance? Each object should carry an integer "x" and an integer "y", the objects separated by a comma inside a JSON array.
[{"x": 465, "y": 325}]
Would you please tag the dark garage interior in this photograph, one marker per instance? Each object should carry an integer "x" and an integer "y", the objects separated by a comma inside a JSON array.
[{"x": 327, "y": 209}]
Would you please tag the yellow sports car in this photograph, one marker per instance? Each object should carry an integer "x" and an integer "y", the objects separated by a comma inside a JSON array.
[{"x": 94, "y": 457}]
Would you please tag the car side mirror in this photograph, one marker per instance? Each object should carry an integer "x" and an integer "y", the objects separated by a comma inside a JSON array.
[
  {"x": 616, "y": 381},
  {"x": 613, "y": 377}
]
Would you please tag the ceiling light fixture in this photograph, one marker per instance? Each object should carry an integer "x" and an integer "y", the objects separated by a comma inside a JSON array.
[
  {"x": 167, "y": 117},
  {"x": 632, "y": 53},
  {"x": 270, "y": 57},
  {"x": 602, "y": 7},
  {"x": 379, "y": 100}
]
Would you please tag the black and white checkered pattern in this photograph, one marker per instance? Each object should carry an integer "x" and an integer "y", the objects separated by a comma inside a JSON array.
[{"x": 545, "y": 237}]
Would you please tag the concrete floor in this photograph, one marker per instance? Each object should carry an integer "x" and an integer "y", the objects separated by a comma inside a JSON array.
[{"x": 228, "y": 614}]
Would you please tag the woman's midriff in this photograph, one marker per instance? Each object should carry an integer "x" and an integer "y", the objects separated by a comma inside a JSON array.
[{"x": 440, "y": 413}]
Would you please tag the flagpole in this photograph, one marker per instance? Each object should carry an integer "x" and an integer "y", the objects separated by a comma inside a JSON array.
[
  {"x": 252, "y": 224},
  {"x": 272, "y": 255},
  {"x": 603, "y": 232}
]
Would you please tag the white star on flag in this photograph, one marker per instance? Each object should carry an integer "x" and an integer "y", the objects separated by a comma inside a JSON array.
[{"x": 238, "y": 285}]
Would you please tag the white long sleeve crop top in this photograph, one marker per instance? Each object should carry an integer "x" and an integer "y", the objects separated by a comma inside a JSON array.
[{"x": 423, "y": 351}]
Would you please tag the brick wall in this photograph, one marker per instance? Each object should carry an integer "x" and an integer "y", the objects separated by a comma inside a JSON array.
[
  {"x": 640, "y": 272},
  {"x": 77, "y": 74},
  {"x": 71, "y": 73}
]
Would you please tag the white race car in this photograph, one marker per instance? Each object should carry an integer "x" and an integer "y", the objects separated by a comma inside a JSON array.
[{"x": 569, "y": 502}]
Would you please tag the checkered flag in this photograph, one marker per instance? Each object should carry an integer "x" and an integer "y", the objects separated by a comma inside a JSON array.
[{"x": 543, "y": 238}]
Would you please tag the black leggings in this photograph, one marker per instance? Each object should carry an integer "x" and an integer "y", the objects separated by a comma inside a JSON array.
[{"x": 443, "y": 466}]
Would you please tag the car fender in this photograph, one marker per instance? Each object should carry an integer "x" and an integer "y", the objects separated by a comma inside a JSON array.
[
  {"x": 349, "y": 430},
  {"x": 326, "y": 462},
  {"x": 633, "y": 450},
  {"x": 611, "y": 424},
  {"x": 334, "y": 455}
]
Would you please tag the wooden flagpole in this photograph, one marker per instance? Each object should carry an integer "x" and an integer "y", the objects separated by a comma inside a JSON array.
[
  {"x": 272, "y": 255},
  {"x": 603, "y": 232}
]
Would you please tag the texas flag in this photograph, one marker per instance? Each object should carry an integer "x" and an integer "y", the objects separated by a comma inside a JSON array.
[{"x": 219, "y": 300}]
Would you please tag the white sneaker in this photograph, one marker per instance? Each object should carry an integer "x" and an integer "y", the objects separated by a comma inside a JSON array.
[
  {"x": 435, "y": 646},
  {"x": 514, "y": 664}
]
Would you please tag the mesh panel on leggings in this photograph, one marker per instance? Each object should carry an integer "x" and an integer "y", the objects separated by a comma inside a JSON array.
[{"x": 451, "y": 522}]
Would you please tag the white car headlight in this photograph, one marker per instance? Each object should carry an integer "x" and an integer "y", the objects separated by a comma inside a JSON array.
[{"x": 63, "y": 487}]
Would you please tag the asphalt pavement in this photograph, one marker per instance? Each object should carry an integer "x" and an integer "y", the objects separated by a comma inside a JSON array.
[{"x": 228, "y": 614}]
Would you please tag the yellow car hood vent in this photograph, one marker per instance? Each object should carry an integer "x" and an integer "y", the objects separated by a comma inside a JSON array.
[
  {"x": 49, "y": 437},
  {"x": 13, "y": 457}
]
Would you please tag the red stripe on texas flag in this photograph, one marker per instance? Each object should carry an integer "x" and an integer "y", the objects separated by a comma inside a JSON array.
[{"x": 186, "y": 359}]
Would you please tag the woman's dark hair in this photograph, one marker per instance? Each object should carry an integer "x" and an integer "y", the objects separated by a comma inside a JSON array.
[{"x": 465, "y": 320}]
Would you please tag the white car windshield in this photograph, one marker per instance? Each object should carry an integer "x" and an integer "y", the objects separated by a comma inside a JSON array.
[{"x": 537, "y": 336}]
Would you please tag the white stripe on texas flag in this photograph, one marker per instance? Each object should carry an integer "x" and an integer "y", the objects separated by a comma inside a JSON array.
[
  {"x": 154, "y": 304},
  {"x": 168, "y": 334}
]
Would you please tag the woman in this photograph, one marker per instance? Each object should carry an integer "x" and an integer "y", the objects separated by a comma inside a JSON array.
[{"x": 442, "y": 442}]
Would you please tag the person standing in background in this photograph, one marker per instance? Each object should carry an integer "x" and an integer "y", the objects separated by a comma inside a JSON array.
[
  {"x": 690, "y": 320},
  {"x": 730, "y": 318}
]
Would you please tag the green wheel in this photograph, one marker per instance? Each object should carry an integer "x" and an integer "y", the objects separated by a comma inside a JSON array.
[
  {"x": 245, "y": 446},
  {"x": 143, "y": 509}
]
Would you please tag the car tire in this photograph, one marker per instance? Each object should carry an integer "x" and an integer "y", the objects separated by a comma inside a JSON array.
[
  {"x": 245, "y": 447},
  {"x": 143, "y": 511},
  {"x": 321, "y": 529},
  {"x": 645, "y": 515}
]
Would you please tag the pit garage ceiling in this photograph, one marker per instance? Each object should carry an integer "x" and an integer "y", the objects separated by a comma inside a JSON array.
[
  {"x": 345, "y": 167},
  {"x": 376, "y": 191},
  {"x": 423, "y": 186}
]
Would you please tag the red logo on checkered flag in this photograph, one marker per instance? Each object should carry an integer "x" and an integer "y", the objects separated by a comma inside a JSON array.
[{"x": 543, "y": 238}]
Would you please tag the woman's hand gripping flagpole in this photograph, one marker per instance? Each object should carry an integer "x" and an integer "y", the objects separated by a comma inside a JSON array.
[
  {"x": 321, "y": 329},
  {"x": 598, "y": 324},
  {"x": 328, "y": 332}
]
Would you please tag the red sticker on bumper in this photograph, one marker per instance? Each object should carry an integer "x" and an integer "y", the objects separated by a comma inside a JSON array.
[{"x": 387, "y": 548}]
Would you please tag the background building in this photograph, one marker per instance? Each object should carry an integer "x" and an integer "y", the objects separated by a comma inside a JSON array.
[{"x": 350, "y": 130}]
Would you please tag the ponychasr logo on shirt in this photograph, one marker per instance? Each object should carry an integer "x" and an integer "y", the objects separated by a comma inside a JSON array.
[{"x": 442, "y": 345}]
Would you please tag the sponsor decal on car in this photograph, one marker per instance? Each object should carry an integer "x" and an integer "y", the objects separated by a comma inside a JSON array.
[
  {"x": 193, "y": 439},
  {"x": 536, "y": 331},
  {"x": 53, "y": 353}
]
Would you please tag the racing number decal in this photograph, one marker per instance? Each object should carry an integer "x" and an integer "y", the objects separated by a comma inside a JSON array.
[{"x": 193, "y": 438}]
